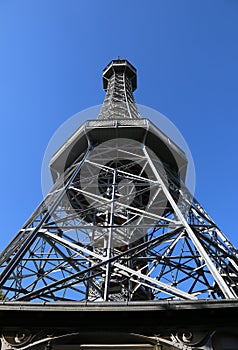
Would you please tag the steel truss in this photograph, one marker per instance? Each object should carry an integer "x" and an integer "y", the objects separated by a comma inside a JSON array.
[
  {"x": 119, "y": 224},
  {"x": 120, "y": 228}
]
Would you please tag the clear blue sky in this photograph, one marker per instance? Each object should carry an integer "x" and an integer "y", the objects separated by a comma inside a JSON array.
[{"x": 52, "y": 56}]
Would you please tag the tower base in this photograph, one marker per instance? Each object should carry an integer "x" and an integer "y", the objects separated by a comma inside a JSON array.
[{"x": 208, "y": 325}]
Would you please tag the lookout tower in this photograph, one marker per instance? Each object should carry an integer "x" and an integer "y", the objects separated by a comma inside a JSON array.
[{"x": 120, "y": 226}]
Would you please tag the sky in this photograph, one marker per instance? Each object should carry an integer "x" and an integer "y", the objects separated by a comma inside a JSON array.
[{"x": 52, "y": 56}]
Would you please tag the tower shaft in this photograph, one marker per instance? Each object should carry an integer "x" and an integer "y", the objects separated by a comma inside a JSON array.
[
  {"x": 119, "y": 223},
  {"x": 120, "y": 244}
]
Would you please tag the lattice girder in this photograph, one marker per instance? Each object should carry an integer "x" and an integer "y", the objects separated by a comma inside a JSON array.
[
  {"x": 119, "y": 224},
  {"x": 119, "y": 237}
]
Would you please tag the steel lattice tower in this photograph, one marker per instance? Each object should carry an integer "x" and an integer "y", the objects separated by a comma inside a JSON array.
[{"x": 119, "y": 224}]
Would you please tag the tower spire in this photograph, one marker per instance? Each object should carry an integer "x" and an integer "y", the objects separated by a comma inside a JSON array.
[{"x": 119, "y": 82}]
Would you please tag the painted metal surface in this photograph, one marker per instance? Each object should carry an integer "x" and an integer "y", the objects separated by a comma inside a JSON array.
[{"x": 119, "y": 226}]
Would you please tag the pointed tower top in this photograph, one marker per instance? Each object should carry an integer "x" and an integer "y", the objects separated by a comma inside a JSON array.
[
  {"x": 119, "y": 82},
  {"x": 120, "y": 66}
]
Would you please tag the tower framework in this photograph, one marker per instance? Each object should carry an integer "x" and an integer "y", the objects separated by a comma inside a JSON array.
[{"x": 119, "y": 224}]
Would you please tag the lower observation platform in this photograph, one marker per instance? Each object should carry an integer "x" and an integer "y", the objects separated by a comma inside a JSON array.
[{"x": 198, "y": 324}]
